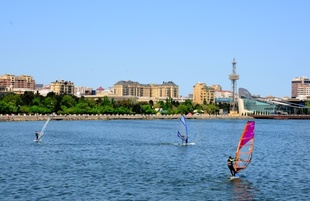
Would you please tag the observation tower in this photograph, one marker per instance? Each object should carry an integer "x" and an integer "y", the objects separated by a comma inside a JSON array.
[{"x": 234, "y": 77}]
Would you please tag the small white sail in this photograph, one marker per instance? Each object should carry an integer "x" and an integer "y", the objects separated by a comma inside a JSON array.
[{"x": 44, "y": 128}]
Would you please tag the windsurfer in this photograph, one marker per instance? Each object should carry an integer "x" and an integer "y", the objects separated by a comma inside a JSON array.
[
  {"x": 230, "y": 164},
  {"x": 37, "y": 135},
  {"x": 183, "y": 137}
]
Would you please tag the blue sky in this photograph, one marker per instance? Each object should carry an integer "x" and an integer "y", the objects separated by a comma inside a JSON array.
[{"x": 98, "y": 43}]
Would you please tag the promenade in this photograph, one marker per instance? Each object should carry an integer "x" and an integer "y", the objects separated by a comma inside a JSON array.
[{"x": 38, "y": 117}]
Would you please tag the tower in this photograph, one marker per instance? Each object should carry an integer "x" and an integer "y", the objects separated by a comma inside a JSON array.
[{"x": 234, "y": 77}]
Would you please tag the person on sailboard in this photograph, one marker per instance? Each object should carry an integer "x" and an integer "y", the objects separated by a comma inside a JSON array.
[
  {"x": 183, "y": 137},
  {"x": 230, "y": 164},
  {"x": 37, "y": 135}
]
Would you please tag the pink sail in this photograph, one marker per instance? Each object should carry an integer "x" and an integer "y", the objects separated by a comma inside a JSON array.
[{"x": 245, "y": 147}]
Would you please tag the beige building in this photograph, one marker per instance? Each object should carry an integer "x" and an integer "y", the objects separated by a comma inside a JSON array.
[
  {"x": 62, "y": 87},
  {"x": 300, "y": 87},
  {"x": 216, "y": 87},
  {"x": 203, "y": 94},
  {"x": 130, "y": 88},
  {"x": 20, "y": 82}
]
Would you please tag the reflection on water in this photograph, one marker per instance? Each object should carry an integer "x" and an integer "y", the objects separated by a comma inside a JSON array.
[{"x": 243, "y": 190}]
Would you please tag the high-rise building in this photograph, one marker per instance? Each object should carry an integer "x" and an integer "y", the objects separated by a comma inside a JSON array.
[
  {"x": 300, "y": 87},
  {"x": 130, "y": 88},
  {"x": 62, "y": 87},
  {"x": 21, "y": 82},
  {"x": 202, "y": 93}
]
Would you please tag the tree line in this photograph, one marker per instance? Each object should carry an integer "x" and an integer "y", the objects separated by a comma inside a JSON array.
[{"x": 34, "y": 103}]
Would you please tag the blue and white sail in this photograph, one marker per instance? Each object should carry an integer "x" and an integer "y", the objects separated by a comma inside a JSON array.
[
  {"x": 44, "y": 128},
  {"x": 183, "y": 132}
]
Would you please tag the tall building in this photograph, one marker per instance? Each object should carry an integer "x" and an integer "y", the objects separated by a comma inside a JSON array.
[
  {"x": 234, "y": 77},
  {"x": 21, "y": 82},
  {"x": 62, "y": 87},
  {"x": 202, "y": 93},
  {"x": 131, "y": 88},
  {"x": 300, "y": 87}
]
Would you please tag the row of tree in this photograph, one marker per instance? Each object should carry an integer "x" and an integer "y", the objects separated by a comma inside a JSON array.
[{"x": 34, "y": 103}]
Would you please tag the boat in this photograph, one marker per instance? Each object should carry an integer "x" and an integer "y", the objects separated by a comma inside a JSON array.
[
  {"x": 183, "y": 132},
  {"x": 41, "y": 134},
  {"x": 245, "y": 147}
]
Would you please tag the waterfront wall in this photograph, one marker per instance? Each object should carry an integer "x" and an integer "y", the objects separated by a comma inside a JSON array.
[{"x": 112, "y": 117}]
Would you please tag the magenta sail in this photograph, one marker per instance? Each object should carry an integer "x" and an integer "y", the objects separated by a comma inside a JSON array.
[{"x": 245, "y": 147}]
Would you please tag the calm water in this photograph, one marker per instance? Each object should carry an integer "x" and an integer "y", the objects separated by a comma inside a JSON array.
[{"x": 141, "y": 160}]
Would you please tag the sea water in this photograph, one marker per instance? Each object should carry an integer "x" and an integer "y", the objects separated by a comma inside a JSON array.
[{"x": 143, "y": 160}]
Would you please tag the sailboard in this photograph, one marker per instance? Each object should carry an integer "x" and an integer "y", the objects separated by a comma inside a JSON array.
[
  {"x": 183, "y": 131},
  {"x": 234, "y": 177},
  {"x": 41, "y": 134},
  {"x": 245, "y": 147}
]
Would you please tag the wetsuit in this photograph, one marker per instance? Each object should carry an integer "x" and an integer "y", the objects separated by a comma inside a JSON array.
[{"x": 230, "y": 164}]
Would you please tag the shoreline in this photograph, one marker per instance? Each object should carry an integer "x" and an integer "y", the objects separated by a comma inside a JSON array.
[
  {"x": 6, "y": 118},
  {"x": 281, "y": 117}
]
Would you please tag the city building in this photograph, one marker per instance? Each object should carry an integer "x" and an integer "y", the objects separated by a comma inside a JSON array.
[
  {"x": 99, "y": 90},
  {"x": 81, "y": 91},
  {"x": 131, "y": 88},
  {"x": 62, "y": 87},
  {"x": 249, "y": 104},
  {"x": 38, "y": 86},
  {"x": 300, "y": 87},
  {"x": 216, "y": 87},
  {"x": 44, "y": 91},
  {"x": 223, "y": 96},
  {"x": 23, "y": 82},
  {"x": 202, "y": 94},
  {"x": 3, "y": 89}
]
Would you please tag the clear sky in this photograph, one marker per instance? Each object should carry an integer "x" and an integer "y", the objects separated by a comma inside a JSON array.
[{"x": 100, "y": 42}]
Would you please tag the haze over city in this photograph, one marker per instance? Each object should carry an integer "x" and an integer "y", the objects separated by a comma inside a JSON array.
[{"x": 98, "y": 43}]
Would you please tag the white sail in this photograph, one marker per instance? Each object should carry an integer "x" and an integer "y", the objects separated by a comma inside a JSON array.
[{"x": 44, "y": 128}]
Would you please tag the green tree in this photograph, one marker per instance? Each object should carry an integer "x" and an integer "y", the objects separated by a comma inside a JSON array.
[
  {"x": 36, "y": 101},
  {"x": 211, "y": 108},
  {"x": 122, "y": 110},
  {"x": 136, "y": 108},
  {"x": 7, "y": 107},
  {"x": 147, "y": 109},
  {"x": 68, "y": 101},
  {"x": 182, "y": 109},
  {"x": 27, "y": 97},
  {"x": 12, "y": 98},
  {"x": 50, "y": 103}
]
